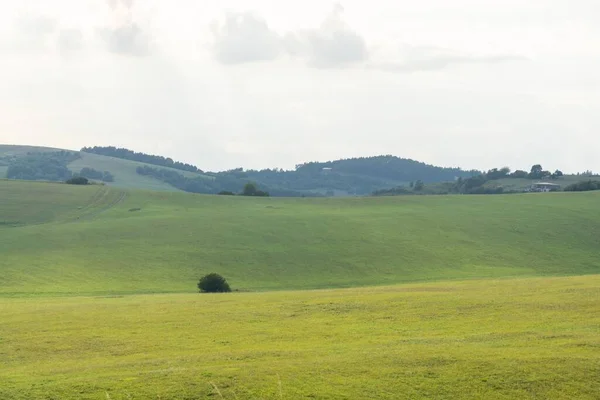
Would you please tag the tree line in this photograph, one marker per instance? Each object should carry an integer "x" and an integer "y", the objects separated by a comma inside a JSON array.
[
  {"x": 583, "y": 186},
  {"x": 474, "y": 184}
]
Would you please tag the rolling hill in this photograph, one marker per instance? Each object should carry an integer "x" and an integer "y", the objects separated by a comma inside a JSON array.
[
  {"x": 56, "y": 238},
  {"x": 358, "y": 176},
  {"x": 476, "y": 297},
  {"x": 123, "y": 170}
]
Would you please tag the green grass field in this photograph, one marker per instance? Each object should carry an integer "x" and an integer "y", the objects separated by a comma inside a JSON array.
[
  {"x": 495, "y": 339},
  {"x": 282, "y": 244},
  {"x": 447, "y": 297}
]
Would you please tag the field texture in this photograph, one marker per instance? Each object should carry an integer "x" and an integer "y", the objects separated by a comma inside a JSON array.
[
  {"x": 100, "y": 240},
  {"x": 97, "y": 296},
  {"x": 495, "y": 339}
]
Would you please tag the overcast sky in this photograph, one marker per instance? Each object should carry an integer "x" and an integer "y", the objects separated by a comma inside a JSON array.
[{"x": 271, "y": 83}]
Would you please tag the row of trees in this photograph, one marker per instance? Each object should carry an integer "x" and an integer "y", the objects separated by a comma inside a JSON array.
[
  {"x": 474, "y": 184},
  {"x": 127, "y": 154},
  {"x": 583, "y": 186},
  {"x": 536, "y": 172}
]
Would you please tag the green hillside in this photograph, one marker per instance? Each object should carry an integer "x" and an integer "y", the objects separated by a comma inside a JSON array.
[
  {"x": 147, "y": 242},
  {"x": 124, "y": 171}
]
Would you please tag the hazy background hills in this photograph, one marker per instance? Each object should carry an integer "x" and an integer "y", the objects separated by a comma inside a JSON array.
[{"x": 127, "y": 169}]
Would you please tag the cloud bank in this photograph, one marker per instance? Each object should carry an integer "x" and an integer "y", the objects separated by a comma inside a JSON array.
[{"x": 245, "y": 37}]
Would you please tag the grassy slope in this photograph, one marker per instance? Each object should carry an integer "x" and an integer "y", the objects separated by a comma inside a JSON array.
[
  {"x": 32, "y": 203},
  {"x": 279, "y": 244},
  {"x": 123, "y": 170},
  {"x": 509, "y": 339}
]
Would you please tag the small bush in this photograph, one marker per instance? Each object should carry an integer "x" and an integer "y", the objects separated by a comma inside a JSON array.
[
  {"x": 213, "y": 283},
  {"x": 78, "y": 180}
]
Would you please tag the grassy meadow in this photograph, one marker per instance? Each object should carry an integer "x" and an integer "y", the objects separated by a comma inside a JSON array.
[
  {"x": 99, "y": 240},
  {"x": 495, "y": 339},
  {"x": 416, "y": 297}
]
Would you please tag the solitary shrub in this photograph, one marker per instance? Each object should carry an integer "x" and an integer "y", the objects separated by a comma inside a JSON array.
[
  {"x": 251, "y": 190},
  {"x": 78, "y": 180},
  {"x": 213, "y": 283}
]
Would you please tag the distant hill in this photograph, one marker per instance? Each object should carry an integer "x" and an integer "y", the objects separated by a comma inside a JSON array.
[
  {"x": 128, "y": 169},
  {"x": 356, "y": 176},
  {"x": 123, "y": 171}
]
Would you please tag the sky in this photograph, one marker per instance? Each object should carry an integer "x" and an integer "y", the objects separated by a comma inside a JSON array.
[{"x": 273, "y": 83}]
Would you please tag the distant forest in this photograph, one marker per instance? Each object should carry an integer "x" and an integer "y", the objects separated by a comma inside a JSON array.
[
  {"x": 140, "y": 157},
  {"x": 357, "y": 176}
]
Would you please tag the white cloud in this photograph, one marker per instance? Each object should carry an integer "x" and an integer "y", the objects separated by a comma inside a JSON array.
[
  {"x": 333, "y": 44},
  {"x": 125, "y": 36},
  {"x": 244, "y": 37}
]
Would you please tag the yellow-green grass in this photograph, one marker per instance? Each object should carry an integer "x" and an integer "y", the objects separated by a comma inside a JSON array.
[
  {"x": 279, "y": 244},
  {"x": 526, "y": 338}
]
